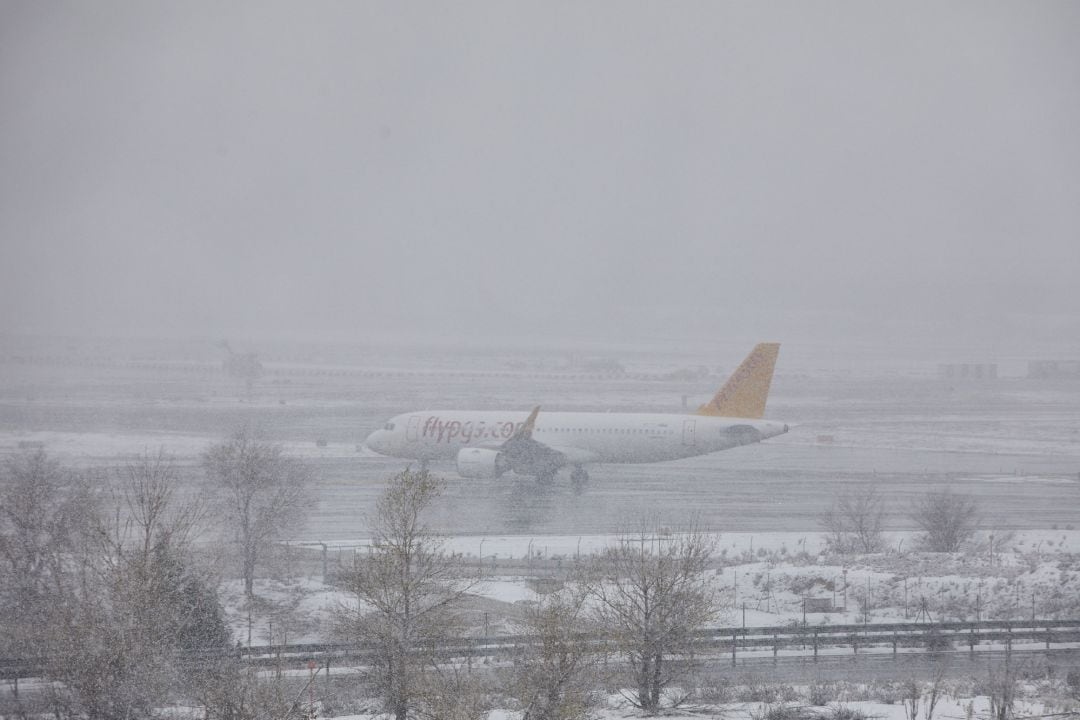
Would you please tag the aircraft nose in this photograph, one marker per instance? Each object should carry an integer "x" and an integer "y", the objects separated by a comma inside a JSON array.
[{"x": 375, "y": 441}]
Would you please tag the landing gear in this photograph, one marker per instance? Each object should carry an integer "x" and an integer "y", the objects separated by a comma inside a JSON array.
[
  {"x": 546, "y": 478},
  {"x": 579, "y": 475}
]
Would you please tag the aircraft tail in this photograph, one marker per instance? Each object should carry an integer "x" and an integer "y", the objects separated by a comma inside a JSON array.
[{"x": 745, "y": 392}]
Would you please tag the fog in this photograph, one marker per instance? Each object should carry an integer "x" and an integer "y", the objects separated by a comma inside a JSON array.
[
  {"x": 826, "y": 171},
  {"x": 286, "y": 289}
]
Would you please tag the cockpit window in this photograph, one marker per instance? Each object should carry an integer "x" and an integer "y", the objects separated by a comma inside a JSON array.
[{"x": 388, "y": 426}]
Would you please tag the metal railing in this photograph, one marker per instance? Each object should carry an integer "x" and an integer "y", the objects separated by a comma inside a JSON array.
[{"x": 784, "y": 642}]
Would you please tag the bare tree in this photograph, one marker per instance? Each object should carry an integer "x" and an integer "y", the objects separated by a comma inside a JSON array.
[
  {"x": 555, "y": 674},
  {"x": 264, "y": 495},
  {"x": 38, "y": 511},
  {"x": 927, "y": 694},
  {"x": 132, "y": 603},
  {"x": 947, "y": 521},
  {"x": 233, "y": 691},
  {"x": 650, "y": 594},
  {"x": 147, "y": 513},
  {"x": 42, "y": 510},
  {"x": 408, "y": 593},
  {"x": 451, "y": 691},
  {"x": 1002, "y": 686},
  {"x": 855, "y": 521}
]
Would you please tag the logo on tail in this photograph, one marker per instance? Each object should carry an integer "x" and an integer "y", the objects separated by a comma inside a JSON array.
[{"x": 745, "y": 392}]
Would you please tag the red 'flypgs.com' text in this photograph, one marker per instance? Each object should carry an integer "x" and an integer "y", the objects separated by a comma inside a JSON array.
[{"x": 464, "y": 432}]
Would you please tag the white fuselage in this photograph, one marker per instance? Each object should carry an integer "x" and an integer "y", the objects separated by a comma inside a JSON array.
[{"x": 581, "y": 437}]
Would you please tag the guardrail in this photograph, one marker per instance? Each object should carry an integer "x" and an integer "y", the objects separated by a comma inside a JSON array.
[{"x": 804, "y": 641}]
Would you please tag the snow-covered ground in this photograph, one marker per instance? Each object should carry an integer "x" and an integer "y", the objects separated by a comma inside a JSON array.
[
  {"x": 762, "y": 578},
  {"x": 947, "y": 707},
  {"x": 81, "y": 447}
]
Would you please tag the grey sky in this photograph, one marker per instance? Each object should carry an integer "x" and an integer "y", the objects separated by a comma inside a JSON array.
[{"x": 332, "y": 169}]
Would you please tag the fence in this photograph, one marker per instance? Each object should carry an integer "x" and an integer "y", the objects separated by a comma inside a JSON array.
[{"x": 782, "y": 642}]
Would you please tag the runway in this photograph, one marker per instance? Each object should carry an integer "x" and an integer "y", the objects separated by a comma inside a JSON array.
[{"x": 1014, "y": 444}]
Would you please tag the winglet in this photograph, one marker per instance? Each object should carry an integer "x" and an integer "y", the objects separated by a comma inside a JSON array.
[
  {"x": 526, "y": 430},
  {"x": 747, "y": 389}
]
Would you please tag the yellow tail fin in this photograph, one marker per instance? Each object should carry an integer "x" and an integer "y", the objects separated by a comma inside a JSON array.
[{"x": 745, "y": 392}]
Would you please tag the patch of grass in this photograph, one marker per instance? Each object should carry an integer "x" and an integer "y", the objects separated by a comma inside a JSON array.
[
  {"x": 784, "y": 711},
  {"x": 843, "y": 712}
]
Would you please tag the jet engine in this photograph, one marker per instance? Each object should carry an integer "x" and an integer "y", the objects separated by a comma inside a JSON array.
[{"x": 481, "y": 464}]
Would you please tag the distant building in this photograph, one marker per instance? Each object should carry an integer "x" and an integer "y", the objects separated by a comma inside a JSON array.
[
  {"x": 1044, "y": 369},
  {"x": 967, "y": 371}
]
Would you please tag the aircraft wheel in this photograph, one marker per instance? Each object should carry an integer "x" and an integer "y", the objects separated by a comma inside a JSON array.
[
  {"x": 579, "y": 475},
  {"x": 545, "y": 478}
]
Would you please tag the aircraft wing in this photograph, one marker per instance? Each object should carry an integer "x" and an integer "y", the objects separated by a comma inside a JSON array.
[
  {"x": 527, "y": 455},
  {"x": 559, "y": 454}
]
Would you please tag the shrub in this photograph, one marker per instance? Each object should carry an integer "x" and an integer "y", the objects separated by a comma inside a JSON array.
[
  {"x": 843, "y": 712},
  {"x": 822, "y": 693},
  {"x": 768, "y": 693},
  {"x": 783, "y": 711}
]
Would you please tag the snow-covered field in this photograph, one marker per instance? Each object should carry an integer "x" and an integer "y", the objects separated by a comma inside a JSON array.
[
  {"x": 768, "y": 574},
  {"x": 946, "y": 708},
  {"x": 763, "y": 579}
]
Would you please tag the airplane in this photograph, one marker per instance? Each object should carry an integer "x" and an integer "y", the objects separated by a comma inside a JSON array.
[{"x": 488, "y": 444}]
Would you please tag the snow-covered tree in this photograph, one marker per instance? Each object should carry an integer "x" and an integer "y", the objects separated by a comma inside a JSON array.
[
  {"x": 408, "y": 592},
  {"x": 262, "y": 495},
  {"x": 854, "y": 522},
  {"x": 130, "y": 610},
  {"x": 947, "y": 521},
  {"x": 555, "y": 674},
  {"x": 43, "y": 511},
  {"x": 650, "y": 594}
]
